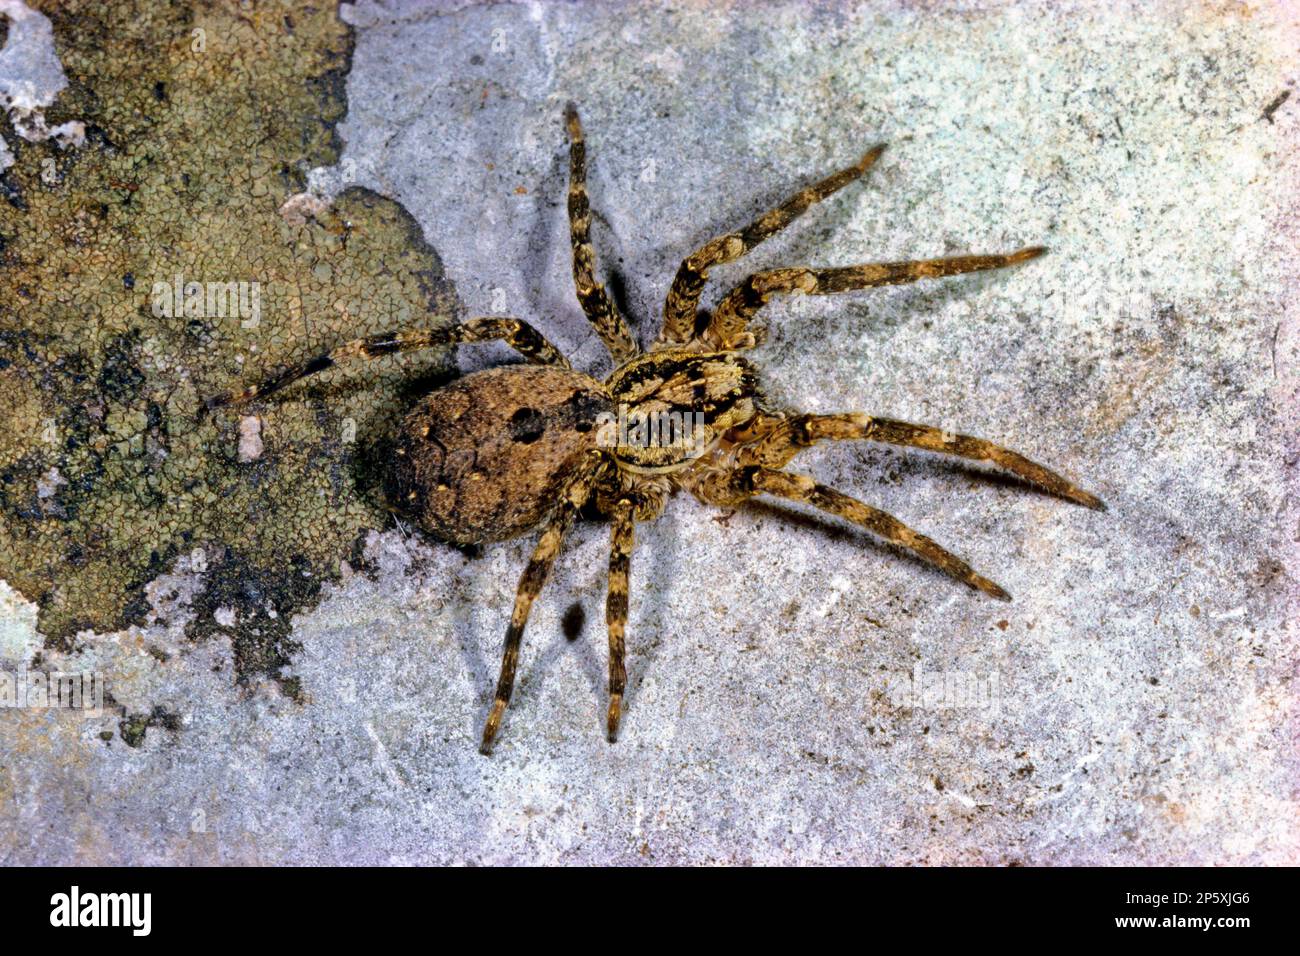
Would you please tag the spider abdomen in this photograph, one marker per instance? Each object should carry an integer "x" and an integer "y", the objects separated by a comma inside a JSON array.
[{"x": 484, "y": 458}]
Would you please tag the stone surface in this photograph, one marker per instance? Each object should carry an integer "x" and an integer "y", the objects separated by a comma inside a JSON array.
[
  {"x": 796, "y": 695},
  {"x": 30, "y": 78}
]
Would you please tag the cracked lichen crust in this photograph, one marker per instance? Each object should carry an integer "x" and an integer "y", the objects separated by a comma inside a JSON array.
[{"x": 201, "y": 125}]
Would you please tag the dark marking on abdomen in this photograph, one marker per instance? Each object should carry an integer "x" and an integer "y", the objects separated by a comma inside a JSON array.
[{"x": 527, "y": 425}]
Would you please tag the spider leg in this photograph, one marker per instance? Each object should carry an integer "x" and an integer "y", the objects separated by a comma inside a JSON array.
[
  {"x": 732, "y": 488},
  {"x": 521, "y": 336},
  {"x": 530, "y": 585},
  {"x": 729, "y": 325},
  {"x": 684, "y": 296},
  {"x": 600, "y": 309},
  {"x": 622, "y": 537},
  {"x": 792, "y": 435}
]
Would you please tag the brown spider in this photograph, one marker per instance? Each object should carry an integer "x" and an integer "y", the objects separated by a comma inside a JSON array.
[{"x": 501, "y": 451}]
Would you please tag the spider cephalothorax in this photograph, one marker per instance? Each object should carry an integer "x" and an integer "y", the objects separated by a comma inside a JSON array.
[{"x": 501, "y": 451}]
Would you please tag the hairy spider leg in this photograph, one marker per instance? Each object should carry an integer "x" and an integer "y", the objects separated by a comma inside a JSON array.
[
  {"x": 571, "y": 501},
  {"x": 621, "y": 540},
  {"x": 789, "y": 436},
  {"x": 596, "y": 303},
  {"x": 732, "y": 488},
  {"x": 682, "y": 304},
  {"x": 518, "y": 334},
  {"x": 729, "y": 324}
]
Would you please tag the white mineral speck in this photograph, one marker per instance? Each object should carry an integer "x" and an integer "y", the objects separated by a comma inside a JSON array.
[
  {"x": 250, "y": 438},
  {"x": 48, "y": 484}
]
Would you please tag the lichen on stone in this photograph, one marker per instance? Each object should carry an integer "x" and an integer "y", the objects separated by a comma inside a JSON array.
[{"x": 200, "y": 126}]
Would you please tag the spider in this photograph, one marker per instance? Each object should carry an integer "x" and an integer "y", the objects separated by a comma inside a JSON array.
[{"x": 505, "y": 450}]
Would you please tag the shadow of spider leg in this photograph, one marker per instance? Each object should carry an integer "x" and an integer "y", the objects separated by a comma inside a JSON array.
[
  {"x": 518, "y": 334},
  {"x": 684, "y": 297},
  {"x": 732, "y": 488},
  {"x": 792, "y": 435},
  {"x": 729, "y": 325}
]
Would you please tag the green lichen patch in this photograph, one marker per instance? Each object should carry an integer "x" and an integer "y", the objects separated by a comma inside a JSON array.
[
  {"x": 201, "y": 123},
  {"x": 134, "y": 727}
]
